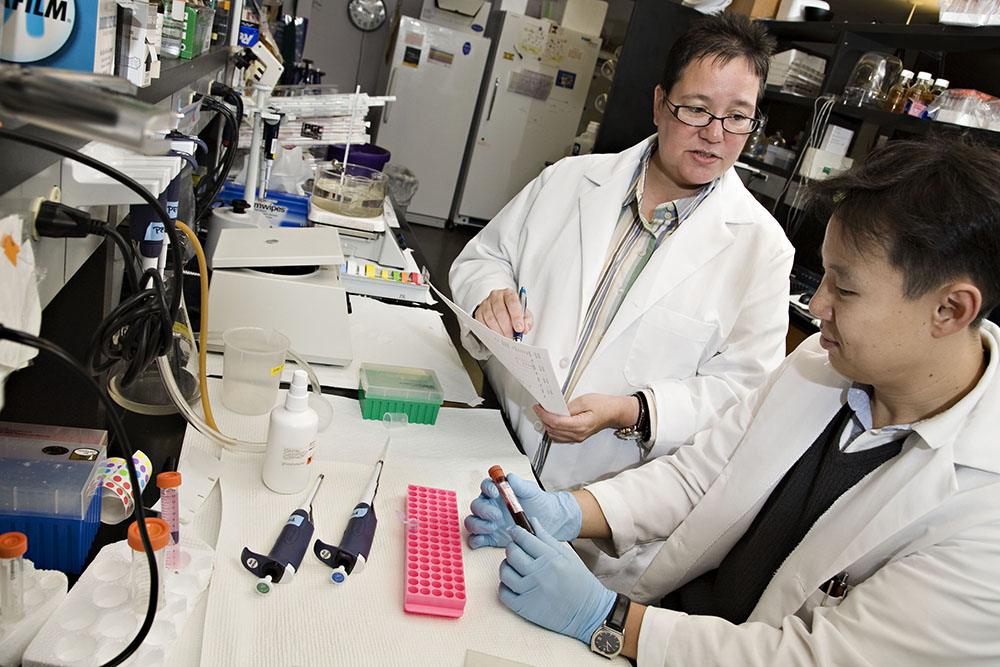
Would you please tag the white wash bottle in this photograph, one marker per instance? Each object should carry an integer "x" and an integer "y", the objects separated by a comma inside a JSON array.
[{"x": 291, "y": 438}]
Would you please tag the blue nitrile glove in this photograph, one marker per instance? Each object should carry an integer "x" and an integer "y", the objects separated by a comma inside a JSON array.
[
  {"x": 545, "y": 582},
  {"x": 490, "y": 523}
]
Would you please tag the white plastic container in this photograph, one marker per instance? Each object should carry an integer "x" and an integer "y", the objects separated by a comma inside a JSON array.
[
  {"x": 584, "y": 143},
  {"x": 291, "y": 438}
]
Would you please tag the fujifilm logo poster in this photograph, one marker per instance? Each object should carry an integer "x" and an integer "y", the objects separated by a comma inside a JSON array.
[
  {"x": 36, "y": 29},
  {"x": 72, "y": 34}
]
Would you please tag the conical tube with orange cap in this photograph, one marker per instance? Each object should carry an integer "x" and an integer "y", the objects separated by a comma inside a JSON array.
[
  {"x": 12, "y": 548},
  {"x": 159, "y": 537}
]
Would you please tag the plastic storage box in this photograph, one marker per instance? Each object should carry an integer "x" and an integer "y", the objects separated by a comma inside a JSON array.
[
  {"x": 50, "y": 490},
  {"x": 415, "y": 392}
]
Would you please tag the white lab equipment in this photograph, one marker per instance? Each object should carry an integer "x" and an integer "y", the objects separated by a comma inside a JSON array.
[
  {"x": 434, "y": 73},
  {"x": 532, "y": 98},
  {"x": 285, "y": 278}
]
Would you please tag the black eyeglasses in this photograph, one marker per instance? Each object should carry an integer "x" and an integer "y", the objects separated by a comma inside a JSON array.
[{"x": 735, "y": 123}]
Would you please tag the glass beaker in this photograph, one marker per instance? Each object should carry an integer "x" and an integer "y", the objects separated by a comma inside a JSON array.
[
  {"x": 147, "y": 395},
  {"x": 350, "y": 190},
  {"x": 870, "y": 81}
]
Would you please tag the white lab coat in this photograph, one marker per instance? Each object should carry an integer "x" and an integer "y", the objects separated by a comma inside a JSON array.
[
  {"x": 919, "y": 537},
  {"x": 703, "y": 324}
]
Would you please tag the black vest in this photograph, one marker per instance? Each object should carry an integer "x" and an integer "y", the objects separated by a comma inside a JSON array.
[{"x": 806, "y": 491}]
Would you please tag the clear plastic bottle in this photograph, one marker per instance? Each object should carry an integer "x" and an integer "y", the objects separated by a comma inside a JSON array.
[
  {"x": 291, "y": 438},
  {"x": 12, "y": 548},
  {"x": 584, "y": 143},
  {"x": 896, "y": 98},
  {"x": 159, "y": 536}
]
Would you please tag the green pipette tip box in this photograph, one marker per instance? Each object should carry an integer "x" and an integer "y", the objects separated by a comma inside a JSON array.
[{"x": 414, "y": 392}]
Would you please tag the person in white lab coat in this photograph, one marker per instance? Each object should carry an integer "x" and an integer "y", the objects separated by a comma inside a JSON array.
[
  {"x": 654, "y": 327},
  {"x": 846, "y": 513}
]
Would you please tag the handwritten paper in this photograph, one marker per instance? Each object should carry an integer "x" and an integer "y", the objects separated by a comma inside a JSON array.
[{"x": 530, "y": 365}]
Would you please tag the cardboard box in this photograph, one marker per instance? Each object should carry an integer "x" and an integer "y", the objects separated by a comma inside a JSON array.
[
  {"x": 457, "y": 20},
  {"x": 197, "y": 31},
  {"x": 586, "y": 16},
  {"x": 69, "y": 34},
  {"x": 836, "y": 140},
  {"x": 140, "y": 27},
  {"x": 763, "y": 9}
]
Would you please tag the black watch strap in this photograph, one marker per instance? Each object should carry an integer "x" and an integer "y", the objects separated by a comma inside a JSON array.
[
  {"x": 618, "y": 614},
  {"x": 643, "y": 425}
]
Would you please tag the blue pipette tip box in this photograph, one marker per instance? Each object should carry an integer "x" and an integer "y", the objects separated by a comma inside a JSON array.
[
  {"x": 416, "y": 392},
  {"x": 50, "y": 482}
]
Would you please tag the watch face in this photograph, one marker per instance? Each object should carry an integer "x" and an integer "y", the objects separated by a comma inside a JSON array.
[
  {"x": 607, "y": 643},
  {"x": 367, "y": 14}
]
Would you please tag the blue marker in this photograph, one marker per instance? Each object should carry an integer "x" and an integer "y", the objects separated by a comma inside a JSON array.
[{"x": 523, "y": 296}]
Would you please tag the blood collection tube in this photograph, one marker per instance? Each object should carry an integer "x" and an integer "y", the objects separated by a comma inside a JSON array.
[
  {"x": 159, "y": 535},
  {"x": 514, "y": 507},
  {"x": 168, "y": 483},
  {"x": 12, "y": 548}
]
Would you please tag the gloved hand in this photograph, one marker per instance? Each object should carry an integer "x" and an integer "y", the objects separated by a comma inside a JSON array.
[
  {"x": 545, "y": 582},
  {"x": 490, "y": 522}
]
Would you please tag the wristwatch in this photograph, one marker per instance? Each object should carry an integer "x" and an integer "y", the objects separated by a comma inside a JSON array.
[
  {"x": 640, "y": 430},
  {"x": 609, "y": 639}
]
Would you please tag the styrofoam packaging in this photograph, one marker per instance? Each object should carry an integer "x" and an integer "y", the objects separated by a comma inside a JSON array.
[
  {"x": 96, "y": 620},
  {"x": 70, "y": 34},
  {"x": 43, "y": 591}
]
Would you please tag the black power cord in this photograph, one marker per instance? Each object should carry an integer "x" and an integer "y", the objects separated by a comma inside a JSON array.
[
  {"x": 118, "y": 428},
  {"x": 216, "y": 178},
  {"x": 152, "y": 322}
]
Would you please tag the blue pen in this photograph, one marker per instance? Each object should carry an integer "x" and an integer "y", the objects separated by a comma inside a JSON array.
[{"x": 523, "y": 296}]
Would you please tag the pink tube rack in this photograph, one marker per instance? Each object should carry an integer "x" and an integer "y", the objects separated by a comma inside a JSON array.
[{"x": 435, "y": 580}]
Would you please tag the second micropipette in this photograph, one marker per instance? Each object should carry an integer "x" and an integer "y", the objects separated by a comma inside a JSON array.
[{"x": 359, "y": 533}]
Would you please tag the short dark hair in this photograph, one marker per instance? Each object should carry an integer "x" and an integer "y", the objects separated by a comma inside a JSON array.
[
  {"x": 724, "y": 37},
  {"x": 933, "y": 206}
]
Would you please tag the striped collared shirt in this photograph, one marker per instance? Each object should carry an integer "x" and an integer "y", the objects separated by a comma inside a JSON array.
[{"x": 632, "y": 244}]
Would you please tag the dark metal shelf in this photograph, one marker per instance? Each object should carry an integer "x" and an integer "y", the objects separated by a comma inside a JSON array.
[
  {"x": 765, "y": 167},
  {"x": 174, "y": 76},
  {"x": 178, "y": 74}
]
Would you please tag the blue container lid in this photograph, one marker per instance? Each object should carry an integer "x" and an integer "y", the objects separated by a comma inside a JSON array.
[{"x": 366, "y": 155}]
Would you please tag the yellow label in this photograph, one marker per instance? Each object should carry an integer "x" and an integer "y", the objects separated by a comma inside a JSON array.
[
  {"x": 277, "y": 369},
  {"x": 181, "y": 328}
]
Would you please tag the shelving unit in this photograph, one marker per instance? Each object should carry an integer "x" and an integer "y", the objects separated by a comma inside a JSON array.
[
  {"x": 176, "y": 76},
  {"x": 968, "y": 57}
]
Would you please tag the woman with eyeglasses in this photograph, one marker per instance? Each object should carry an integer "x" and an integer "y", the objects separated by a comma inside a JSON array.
[{"x": 654, "y": 279}]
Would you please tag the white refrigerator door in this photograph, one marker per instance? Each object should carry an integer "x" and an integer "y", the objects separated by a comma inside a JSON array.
[
  {"x": 532, "y": 103},
  {"x": 435, "y": 76}
]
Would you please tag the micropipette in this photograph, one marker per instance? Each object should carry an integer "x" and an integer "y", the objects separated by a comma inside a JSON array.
[
  {"x": 286, "y": 554},
  {"x": 354, "y": 546}
]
